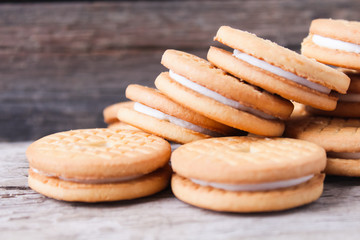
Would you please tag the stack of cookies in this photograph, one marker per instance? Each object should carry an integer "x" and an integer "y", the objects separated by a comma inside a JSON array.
[
  {"x": 208, "y": 105},
  {"x": 334, "y": 42},
  {"x": 248, "y": 90}
]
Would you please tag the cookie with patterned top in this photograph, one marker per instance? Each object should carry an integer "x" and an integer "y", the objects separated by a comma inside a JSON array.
[
  {"x": 198, "y": 85},
  {"x": 334, "y": 42},
  {"x": 248, "y": 174},
  {"x": 277, "y": 69},
  {"x": 94, "y": 165},
  {"x": 340, "y": 137}
]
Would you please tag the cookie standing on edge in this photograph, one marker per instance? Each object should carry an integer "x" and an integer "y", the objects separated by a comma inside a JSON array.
[
  {"x": 96, "y": 165},
  {"x": 155, "y": 113},
  {"x": 348, "y": 104},
  {"x": 277, "y": 69},
  {"x": 110, "y": 116},
  {"x": 334, "y": 42},
  {"x": 196, "y": 84},
  {"x": 247, "y": 174},
  {"x": 339, "y": 137}
]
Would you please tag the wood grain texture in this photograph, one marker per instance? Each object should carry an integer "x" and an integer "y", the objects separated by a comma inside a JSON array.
[
  {"x": 336, "y": 215},
  {"x": 62, "y": 63}
]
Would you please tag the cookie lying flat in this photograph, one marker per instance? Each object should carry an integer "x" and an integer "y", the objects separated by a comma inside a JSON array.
[
  {"x": 95, "y": 165},
  {"x": 277, "y": 69},
  {"x": 196, "y": 84},
  {"x": 339, "y": 137},
  {"x": 248, "y": 174},
  {"x": 110, "y": 112},
  {"x": 155, "y": 113},
  {"x": 348, "y": 104},
  {"x": 334, "y": 42}
]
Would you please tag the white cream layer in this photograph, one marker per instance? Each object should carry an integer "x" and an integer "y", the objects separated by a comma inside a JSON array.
[
  {"x": 179, "y": 122},
  {"x": 254, "y": 187},
  {"x": 217, "y": 97},
  {"x": 344, "y": 155},
  {"x": 90, "y": 181},
  {"x": 280, "y": 72},
  {"x": 335, "y": 44},
  {"x": 350, "y": 97}
]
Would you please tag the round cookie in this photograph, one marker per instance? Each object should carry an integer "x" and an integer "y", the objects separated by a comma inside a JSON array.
[
  {"x": 122, "y": 125},
  {"x": 110, "y": 112},
  {"x": 348, "y": 104},
  {"x": 196, "y": 84},
  {"x": 339, "y": 137},
  {"x": 277, "y": 69},
  {"x": 248, "y": 174},
  {"x": 94, "y": 165},
  {"x": 334, "y": 42},
  {"x": 155, "y": 113}
]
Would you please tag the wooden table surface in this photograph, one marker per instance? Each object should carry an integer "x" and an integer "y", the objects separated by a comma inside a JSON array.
[{"x": 27, "y": 214}]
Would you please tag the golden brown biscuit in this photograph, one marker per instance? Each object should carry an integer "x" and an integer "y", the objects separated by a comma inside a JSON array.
[
  {"x": 196, "y": 84},
  {"x": 110, "y": 112},
  {"x": 339, "y": 137},
  {"x": 334, "y": 42},
  {"x": 217, "y": 110},
  {"x": 248, "y": 174},
  {"x": 122, "y": 125},
  {"x": 348, "y": 104},
  {"x": 94, "y": 165},
  {"x": 155, "y": 113},
  {"x": 277, "y": 69}
]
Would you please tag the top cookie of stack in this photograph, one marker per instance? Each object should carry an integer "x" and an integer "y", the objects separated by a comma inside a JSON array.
[{"x": 334, "y": 42}]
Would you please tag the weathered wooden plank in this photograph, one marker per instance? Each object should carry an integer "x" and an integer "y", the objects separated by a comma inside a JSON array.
[
  {"x": 25, "y": 213},
  {"x": 42, "y": 94}
]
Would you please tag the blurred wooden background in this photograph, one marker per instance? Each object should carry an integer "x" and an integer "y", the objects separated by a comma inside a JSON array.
[{"x": 61, "y": 63}]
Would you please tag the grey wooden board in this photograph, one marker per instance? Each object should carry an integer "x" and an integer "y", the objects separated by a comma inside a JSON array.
[
  {"x": 25, "y": 214},
  {"x": 62, "y": 63}
]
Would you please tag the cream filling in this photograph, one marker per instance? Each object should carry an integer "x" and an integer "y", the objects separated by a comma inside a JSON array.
[
  {"x": 90, "y": 181},
  {"x": 350, "y": 97},
  {"x": 254, "y": 187},
  {"x": 280, "y": 72},
  {"x": 179, "y": 122},
  {"x": 335, "y": 44},
  {"x": 344, "y": 155},
  {"x": 217, "y": 97}
]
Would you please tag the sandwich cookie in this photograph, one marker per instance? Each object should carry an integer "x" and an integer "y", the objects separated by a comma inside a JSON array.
[
  {"x": 155, "y": 113},
  {"x": 196, "y": 84},
  {"x": 96, "y": 165},
  {"x": 277, "y": 69},
  {"x": 110, "y": 112},
  {"x": 334, "y": 42},
  {"x": 339, "y": 137},
  {"x": 248, "y": 174},
  {"x": 348, "y": 104}
]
